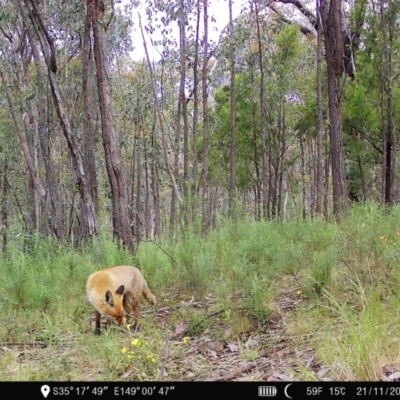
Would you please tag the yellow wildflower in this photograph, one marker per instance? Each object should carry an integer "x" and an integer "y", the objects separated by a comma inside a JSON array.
[
  {"x": 151, "y": 358},
  {"x": 135, "y": 342},
  {"x": 186, "y": 339},
  {"x": 124, "y": 350}
]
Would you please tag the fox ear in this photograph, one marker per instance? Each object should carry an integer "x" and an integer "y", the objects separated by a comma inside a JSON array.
[
  {"x": 109, "y": 298},
  {"x": 120, "y": 290}
]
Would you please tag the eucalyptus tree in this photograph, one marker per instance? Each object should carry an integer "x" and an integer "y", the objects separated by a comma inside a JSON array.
[
  {"x": 304, "y": 14},
  {"x": 264, "y": 125},
  {"x": 331, "y": 17},
  {"x": 371, "y": 107},
  {"x": 205, "y": 193},
  {"x": 189, "y": 55},
  {"x": 159, "y": 101},
  {"x": 22, "y": 101},
  {"x": 40, "y": 20},
  {"x": 232, "y": 146},
  {"x": 195, "y": 94},
  {"x": 341, "y": 43},
  {"x": 319, "y": 187},
  {"x": 89, "y": 133},
  {"x": 389, "y": 13},
  {"x": 11, "y": 168},
  {"x": 122, "y": 225},
  {"x": 269, "y": 88}
]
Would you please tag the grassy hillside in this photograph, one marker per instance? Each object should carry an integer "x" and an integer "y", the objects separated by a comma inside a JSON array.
[{"x": 309, "y": 300}]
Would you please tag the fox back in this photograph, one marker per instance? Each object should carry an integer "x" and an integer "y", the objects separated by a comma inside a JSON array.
[{"x": 114, "y": 291}]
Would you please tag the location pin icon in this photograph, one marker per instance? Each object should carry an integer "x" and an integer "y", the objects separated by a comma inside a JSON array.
[{"x": 45, "y": 389}]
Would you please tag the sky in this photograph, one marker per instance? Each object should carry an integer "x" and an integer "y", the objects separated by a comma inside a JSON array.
[{"x": 217, "y": 8}]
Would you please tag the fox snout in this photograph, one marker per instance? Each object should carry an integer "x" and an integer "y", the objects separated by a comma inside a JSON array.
[{"x": 115, "y": 320}]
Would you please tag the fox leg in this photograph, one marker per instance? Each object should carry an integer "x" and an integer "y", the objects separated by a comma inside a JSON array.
[
  {"x": 135, "y": 306},
  {"x": 127, "y": 307},
  {"x": 98, "y": 319}
]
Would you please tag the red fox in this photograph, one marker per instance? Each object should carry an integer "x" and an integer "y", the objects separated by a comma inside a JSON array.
[{"x": 113, "y": 291}]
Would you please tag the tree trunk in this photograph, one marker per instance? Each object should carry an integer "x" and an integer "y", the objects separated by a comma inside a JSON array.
[
  {"x": 264, "y": 176},
  {"x": 320, "y": 121},
  {"x": 279, "y": 177},
  {"x": 138, "y": 213},
  {"x": 182, "y": 96},
  {"x": 195, "y": 109},
  {"x": 89, "y": 144},
  {"x": 257, "y": 191},
  {"x": 122, "y": 228},
  {"x": 205, "y": 198},
  {"x": 4, "y": 206},
  {"x": 232, "y": 150},
  {"x": 391, "y": 138},
  {"x": 303, "y": 182},
  {"x": 156, "y": 192},
  {"x": 385, "y": 147},
  {"x": 147, "y": 203},
  {"x": 52, "y": 186},
  {"x": 332, "y": 24}
]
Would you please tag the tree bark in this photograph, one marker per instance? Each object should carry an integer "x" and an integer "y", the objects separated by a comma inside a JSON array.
[
  {"x": 182, "y": 96},
  {"x": 331, "y": 16},
  {"x": 232, "y": 149},
  {"x": 391, "y": 138},
  {"x": 139, "y": 150},
  {"x": 320, "y": 121},
  {"x": 52, "y": 186},
  {"x": 122, "y": 228},
  {"x": 89, "y": 144},
  {"x": 264, "y": 176},
  {"x": 4, "y": 207},
  {"x": 205, "y": 199},
  {"x": 195, "y": 106}
]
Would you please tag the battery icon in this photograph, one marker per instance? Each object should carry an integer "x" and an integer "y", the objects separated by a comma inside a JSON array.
[{"x": 267, "y": 391}]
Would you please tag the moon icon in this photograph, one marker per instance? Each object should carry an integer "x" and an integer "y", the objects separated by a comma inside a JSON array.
[{"x": 286, "y": 388}]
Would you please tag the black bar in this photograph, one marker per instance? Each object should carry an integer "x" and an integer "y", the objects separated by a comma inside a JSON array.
[{"x": 184, "y": 390}]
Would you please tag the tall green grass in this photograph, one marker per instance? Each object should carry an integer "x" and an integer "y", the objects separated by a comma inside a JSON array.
[{"x": 348, "y": 272}]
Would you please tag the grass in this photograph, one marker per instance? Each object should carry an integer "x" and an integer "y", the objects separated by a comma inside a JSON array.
[{"x": 335, "y": 287}]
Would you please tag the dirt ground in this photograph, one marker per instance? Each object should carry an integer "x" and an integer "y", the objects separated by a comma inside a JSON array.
[{"x": 268, "y": 355}]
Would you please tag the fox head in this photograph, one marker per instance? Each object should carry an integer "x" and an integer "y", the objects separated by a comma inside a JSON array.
[{"x": 113, "y": 308}]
